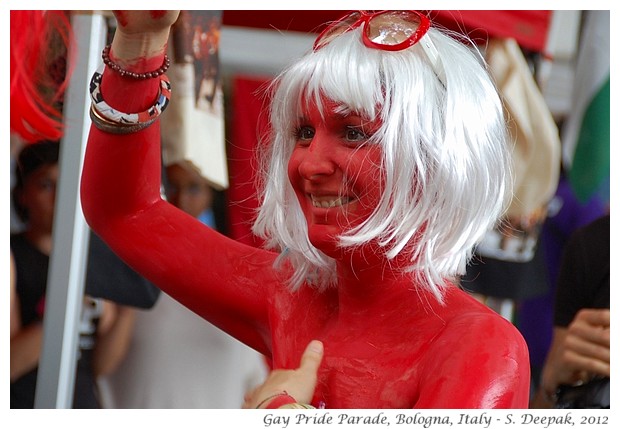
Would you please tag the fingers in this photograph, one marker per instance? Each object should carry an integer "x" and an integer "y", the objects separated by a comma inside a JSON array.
[
  {"x": 141, "y": 34},
  {"x": 595, "y": 345},
  {"x": 145, "y": 20},
  {"x": 312, "y": 357},
  {"x": 298, "y": 383},
  {"x": 306, "y": 375},
  {"x": 586, "y": 356},
  {"x": 591, "y": 326},
  {"x": 587, "y": 342},
  {"x": 594, "y": 316},
  {"x": 587, "y": 364}
]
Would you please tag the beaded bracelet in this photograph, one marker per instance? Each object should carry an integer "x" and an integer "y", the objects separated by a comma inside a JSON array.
[
  {"x": 112, "y": 116},
  {"x": 105, "y": 55}
]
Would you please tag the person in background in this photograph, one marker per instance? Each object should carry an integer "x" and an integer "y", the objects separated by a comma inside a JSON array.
[
  {"x": 104, "y": 327},
  {"x": 535, "y": 315},
  {"x": 14, "y": 322},
  {"x": 176, "y": 359},
  {"x": 188, "y": 190},
  {"x": 579, "y": 358}
]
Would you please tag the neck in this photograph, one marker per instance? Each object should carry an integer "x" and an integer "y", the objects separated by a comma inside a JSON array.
[{"x": 374, "y": 291}]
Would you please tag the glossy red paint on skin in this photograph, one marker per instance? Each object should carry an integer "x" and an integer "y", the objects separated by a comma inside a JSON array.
[
  {"x": 335, "y": 171},
  {"x": 113, "y": 85}
]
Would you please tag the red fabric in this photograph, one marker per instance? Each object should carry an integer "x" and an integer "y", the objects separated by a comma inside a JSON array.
[
  {"x": 284, "y": 20},
  {"x": 528, "y": 27},
  {"x": 249, "y": 121}
]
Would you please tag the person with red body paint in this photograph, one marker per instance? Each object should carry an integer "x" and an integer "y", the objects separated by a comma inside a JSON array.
[{"x": 388, "y": 161}]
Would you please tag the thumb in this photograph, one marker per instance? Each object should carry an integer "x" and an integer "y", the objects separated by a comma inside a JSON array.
[{"x": 312, "y": 357}]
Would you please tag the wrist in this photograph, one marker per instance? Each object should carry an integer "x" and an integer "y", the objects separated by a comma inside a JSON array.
[
  {"x": 550, "y": 396},
  {"x": 280, "y": 401},
  {"x": 276, "y": 401},
  {"x": 139, "y": 52},
  {"x": 549, "y": 392}
]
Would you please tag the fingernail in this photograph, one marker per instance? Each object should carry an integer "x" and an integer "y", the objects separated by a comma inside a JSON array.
[{"x": 316, "y": 346}]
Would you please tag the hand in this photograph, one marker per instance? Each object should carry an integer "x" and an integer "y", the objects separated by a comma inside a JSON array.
[
  {"x": 577, "y": 353},
  {"x": 586, "y": 346},
  {"x": 298, "y": 383},
  {"x": 145, "y": 21},
  {"x": 141, "y": 34}
]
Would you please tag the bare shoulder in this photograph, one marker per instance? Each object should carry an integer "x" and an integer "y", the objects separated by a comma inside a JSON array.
[
  {"x": 477, "y": 352},
  {"x": 476, "y": 328}
]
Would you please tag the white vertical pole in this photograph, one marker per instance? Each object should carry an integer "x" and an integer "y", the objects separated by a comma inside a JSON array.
[
  {"x": 556, "y": 69},
  {"x": 65, "y": 286}
]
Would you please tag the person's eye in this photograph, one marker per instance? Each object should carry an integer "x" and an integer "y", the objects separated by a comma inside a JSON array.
[
  {"x": 194, "y": 189},
  {"x": 47, "y": 185},
  {"x": 355, "y": 135},
  {"x": 304, "y": 134}
]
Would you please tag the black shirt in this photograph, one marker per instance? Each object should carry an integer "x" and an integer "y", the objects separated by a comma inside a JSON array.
[{"x": 583, "y": 281}]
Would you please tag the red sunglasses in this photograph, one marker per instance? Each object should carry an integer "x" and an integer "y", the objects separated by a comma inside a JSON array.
[{"x": 388, "y": 30}]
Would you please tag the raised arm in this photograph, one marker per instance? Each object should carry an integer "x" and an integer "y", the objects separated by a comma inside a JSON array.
[{"x": 223, "y": 281}]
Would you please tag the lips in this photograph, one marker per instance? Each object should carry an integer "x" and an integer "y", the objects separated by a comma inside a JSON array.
[{"x": 327, "y": 202}]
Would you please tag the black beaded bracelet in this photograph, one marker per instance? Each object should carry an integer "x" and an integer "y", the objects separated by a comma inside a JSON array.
[{"x": 105, "y": 55}]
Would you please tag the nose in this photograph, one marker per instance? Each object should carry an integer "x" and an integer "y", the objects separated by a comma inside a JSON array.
[{"x": 317, "y": 159}]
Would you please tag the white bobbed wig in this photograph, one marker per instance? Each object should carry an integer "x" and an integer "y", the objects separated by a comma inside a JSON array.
[{"x": 445, "y": 148}]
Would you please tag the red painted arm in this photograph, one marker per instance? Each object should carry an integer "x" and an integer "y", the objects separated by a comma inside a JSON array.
[{"x": 221, "y": 280}]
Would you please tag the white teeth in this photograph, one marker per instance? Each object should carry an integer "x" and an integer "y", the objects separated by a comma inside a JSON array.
[{"x": 325, "y": 204}]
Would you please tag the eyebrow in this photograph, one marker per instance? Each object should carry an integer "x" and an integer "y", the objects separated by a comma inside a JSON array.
[{"x": 339, "y": 115}]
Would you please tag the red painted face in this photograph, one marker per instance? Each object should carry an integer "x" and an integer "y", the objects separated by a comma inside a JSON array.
[{"x": 335, "y": 172}]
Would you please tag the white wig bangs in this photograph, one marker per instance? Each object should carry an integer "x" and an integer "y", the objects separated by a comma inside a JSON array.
[{"x": 445, "y": 156}]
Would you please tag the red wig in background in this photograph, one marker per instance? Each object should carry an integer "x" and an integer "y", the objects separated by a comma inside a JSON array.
[{"x": 40, "y": 41}]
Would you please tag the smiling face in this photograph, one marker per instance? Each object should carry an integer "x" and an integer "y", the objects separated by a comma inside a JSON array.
[{"x": 335, "y": 171}]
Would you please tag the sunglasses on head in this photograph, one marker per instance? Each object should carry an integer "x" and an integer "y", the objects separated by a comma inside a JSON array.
[{"x": 388, "y": 30}]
